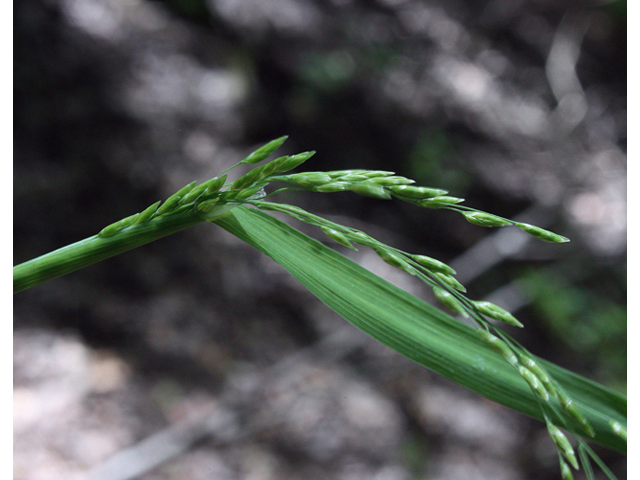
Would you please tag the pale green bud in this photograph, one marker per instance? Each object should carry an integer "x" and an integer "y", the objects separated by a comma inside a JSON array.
[
  {"x": 214, "y": 185},
  {"x": 395, "y": 261},
  {"x": 217, "y": 211},
  {"x": 145, "y": 215},
  {"x": 392, "y": 181},
  {"x": 449, "y": 300},
  {"x": 193, "y": 194},
  {"x": 378, "y": 174},
  {"x": 263, "y": 152},
  {"x": 433, "y": 264},
  {"x": 361, "y": 238},
  {"x": 449, "y": 280},
  {"x": 170, "y": 204},
  {"x": 572, "y": 411},
  {"x": 183, "y": 191},
  {"x": 534, "y": 383},
  {"x": 248, "y": 179},
  {"x": 276, "y": 166},
  {"x": 537, "y": 370},
  {"x": 493, "y": 311},
  {"x": 344, "y": 173},
  {"x": 117, "y": 227},
  {"x": 484, "y": 219},
  {"x": 498, "y": 345},
  {"x": 337, "y": 236},
  {"x": 251, "y": 193},
  {"x": 541, "y": 233},
  {"x": 207, "y": 205},
  {"x": 439, "y": 201},
  {"x": 332, "y": 187},
  {"x": 618, "y": 429},
  {"x": 293, "y": 161},
  {"x": 370, "y": 189},
  {"x": 565, "y": 471},
  {"x": 308, "y": 179},
  {"x": 562, "y": 442},
  {"x": 354, "y": 177},
  {"x": 417, "y": 192}
]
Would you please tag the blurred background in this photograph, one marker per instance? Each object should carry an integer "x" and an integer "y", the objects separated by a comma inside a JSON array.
[{"x": 195, "y": 356}]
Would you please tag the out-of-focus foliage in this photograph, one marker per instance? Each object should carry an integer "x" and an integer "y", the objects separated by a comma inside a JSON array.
[{"x": 584, "y": 319}]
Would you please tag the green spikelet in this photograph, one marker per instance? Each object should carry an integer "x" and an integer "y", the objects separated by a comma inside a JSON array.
[
  {"x": 145, "y": 215},
  {"x": 433, "y": 264},
  {"x": 563, "y": 445},
  {"x": 448, "y": 300},
  {"x": 117, "y": 227},
  {"x": 263, "y": 152},
  {"x": 493, "y": 311},
  {"x": 498, "y": 345},
  {"x": 484, "y": 219},
  {"x": 338, "y": 237},
  {"x": 541, "y": 233}
]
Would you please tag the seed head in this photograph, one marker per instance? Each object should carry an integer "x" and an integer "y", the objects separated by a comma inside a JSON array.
[
  {"x": 493, "y": 311},
  {"x": 572, "y": 411},
  {"x": 344, "y": 173},
  {"x": 448, "y": 300},
  {"x": 117, "y": 227},
  {"x": 392, "y": 181},
  {"x": 378, "y": 174},
  {"x": 395, "y": 260},
  {"x": 248, "y": 179},
  {"x": 417, "y": 192},
  {"x": 433, "y": 264},
  {"x": 618, "y": 429},
  {"x": 541, "y": 233},
  {"x": 538, "y": 371},
  {"x": 293, "y": 161},
  {"x": 484, "y": 219},
  {"x": 332, "y": 187},
  {"x": 252, "y": 193},
  {"x": 499, "y": 346},
  {"x": 361, "y": 238},
  {"x": 207, "y": 205},
  {"x": 369, "y": 188},
  {"x": 170, "y": 204},
  {"x": 214, "y": 185},
  {"x": 145, "y": 215},
  {"x": 184, "y": 190},
  {"x": 534, "y": 383},
  {"x": 307, "y": 179},
  {"x": 449, "y": 280},
  {"x": 263, "y": 152},
  {"x": 354, "y": 177},
  {"x": 565, "y": 471},
  {"x": 439, "y": 201},
  {"x": 193, "y": 194},
  {"x": 337, "y": 236},
  {"x": 563, "y": 445}
]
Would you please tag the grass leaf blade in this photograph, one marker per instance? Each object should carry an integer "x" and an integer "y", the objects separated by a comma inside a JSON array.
[{"x": 415, "y": 328}]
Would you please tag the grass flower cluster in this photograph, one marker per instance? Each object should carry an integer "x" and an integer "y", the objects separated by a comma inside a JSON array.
[{"x": 214, "y": 199}]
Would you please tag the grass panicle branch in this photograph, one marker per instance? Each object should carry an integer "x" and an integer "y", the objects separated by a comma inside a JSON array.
[{"x": 401, "y": 321}]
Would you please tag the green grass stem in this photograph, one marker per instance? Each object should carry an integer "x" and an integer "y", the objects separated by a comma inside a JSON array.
[{"x": 96, "y": 248}]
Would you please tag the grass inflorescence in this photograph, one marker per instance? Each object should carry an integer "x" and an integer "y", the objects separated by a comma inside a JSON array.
[{"x": 211, "y": 199}]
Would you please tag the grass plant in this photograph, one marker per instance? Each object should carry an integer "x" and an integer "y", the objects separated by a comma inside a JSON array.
[{"x": 483, "y": 358}]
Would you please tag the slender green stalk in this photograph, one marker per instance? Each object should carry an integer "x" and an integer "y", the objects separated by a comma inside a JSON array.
[{"x": 96, "y": 248}]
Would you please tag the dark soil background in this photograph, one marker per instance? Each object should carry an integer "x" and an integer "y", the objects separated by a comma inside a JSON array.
[{"x": 197, "y": 358}]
